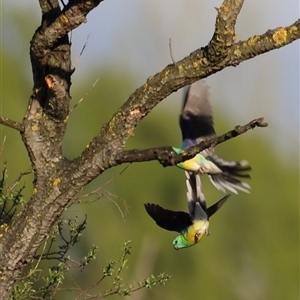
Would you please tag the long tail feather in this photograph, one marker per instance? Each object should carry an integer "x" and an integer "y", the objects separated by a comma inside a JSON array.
[
  {"x": 225, "y": 181},
  {"x": 231, "y": 172},
  {"x": 195, "y": 197},
  {"x": 232, "y": 167}
]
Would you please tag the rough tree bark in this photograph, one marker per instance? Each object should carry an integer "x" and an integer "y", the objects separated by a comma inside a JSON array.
[{"x": 56, "y": 179}]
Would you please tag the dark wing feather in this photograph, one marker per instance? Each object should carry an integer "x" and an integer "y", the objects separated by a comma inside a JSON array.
[
  {"x": 196, "y": 121},
  {"x": 168, "y": 219},
  {"x": 215, "y": 207}
]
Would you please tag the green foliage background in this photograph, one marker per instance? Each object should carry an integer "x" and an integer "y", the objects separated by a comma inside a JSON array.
[{"x": 253, "y": 251}]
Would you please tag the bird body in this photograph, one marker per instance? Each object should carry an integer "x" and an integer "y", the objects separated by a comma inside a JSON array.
[
  {"x": 198, "y": 164},
  {"x": 196, "y": 123},
  {"x": 192, "y": 226}
]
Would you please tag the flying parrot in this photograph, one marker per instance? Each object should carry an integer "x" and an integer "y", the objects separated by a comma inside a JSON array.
[
  {"x": 192, "y": 226},
  {"x": 196, "y": 123}
]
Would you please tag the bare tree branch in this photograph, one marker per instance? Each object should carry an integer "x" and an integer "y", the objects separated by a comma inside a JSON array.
[
  {"x": 168, "y": 157},
  {"x": 224, "y": 35},
  {"x": 199, "y": 64},
  {"x": 12, "y": 124},
  {"x": 260, "y": 44},
  {"x": 73, "y": 15}
]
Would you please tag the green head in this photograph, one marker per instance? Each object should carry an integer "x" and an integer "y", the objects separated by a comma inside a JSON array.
[
  {"x": 181, "y": 242},
  {"x": 192, "y": 235}
]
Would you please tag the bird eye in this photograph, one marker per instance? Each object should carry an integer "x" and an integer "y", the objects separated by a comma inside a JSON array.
[
  {"x": 175, "y": 242},
  {"x": 196, "y": 237}
]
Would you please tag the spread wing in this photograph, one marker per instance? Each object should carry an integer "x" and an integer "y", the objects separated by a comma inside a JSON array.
[
  {"x": 196, "y": 123},
  {"x": 196, "y": 120},
  {"x": 167, "y": 219},
  {"x": 215, "y": 207}
]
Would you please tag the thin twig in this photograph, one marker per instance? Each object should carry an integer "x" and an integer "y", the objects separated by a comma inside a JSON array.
[
  {"x": 82, "y": 50},
  {"x": 86, "y": 94},
  {"x": 12, "y": 124},
  {"x": 104, "y": 194},
  {"x": 17, "y": 180},
  {"x": 171, "y": 52},
  {"x": 96, "y": 191},
  {"x": 2, "y": 146},
  {"x": 38, "y": 261}
]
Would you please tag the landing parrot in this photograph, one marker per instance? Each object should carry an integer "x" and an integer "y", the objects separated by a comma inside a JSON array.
[
  {"x": 192, "y": 226},
  {"x": 196, "y": 123}
]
